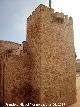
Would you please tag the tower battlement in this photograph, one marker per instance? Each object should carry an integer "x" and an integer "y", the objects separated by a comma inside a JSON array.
[{"x": 42, "y": 9}]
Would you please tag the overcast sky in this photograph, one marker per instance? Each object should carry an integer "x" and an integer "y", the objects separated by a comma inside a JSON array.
[{"x": 14, "y": 13}]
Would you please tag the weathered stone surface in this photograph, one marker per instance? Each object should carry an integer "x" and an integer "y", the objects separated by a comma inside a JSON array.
[
  {"x": 43, "y": 69},
  {"x": 51, "y": 39}
]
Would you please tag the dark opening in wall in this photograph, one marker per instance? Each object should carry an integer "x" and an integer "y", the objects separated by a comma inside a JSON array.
[{"x": 60, "y": 20}]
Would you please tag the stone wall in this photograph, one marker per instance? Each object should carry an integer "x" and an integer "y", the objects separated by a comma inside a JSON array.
[
  {"x": 51, "y": 40},
  {"x": 16, "y": 80},
  {"x": 5, "y": 45},
  {"x": 45, "y": 72},
  {"x": 16, "y": 77}
]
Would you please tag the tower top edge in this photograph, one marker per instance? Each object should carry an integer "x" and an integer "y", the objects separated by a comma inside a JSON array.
[{"x": 43, "y": 8}]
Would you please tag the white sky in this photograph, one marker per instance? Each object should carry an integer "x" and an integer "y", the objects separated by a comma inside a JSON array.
[{"x": 71, "y": 8}]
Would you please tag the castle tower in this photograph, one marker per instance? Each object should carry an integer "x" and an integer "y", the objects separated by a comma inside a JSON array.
[{"x": 51, "y": 41}]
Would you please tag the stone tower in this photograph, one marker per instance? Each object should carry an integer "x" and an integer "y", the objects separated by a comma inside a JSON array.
[{"x": 50, "y": 38}]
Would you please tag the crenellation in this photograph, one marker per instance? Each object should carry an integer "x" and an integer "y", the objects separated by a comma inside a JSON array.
[
  {"x": 66, "y": 17},
  {"x": 71, "y": 20},
  {"x": 59, "y": 15}
]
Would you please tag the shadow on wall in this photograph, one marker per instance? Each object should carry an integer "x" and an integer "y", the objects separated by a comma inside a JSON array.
[
  {"x": 27, "y": 93},
  {"x": 1, "y": 104}
]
